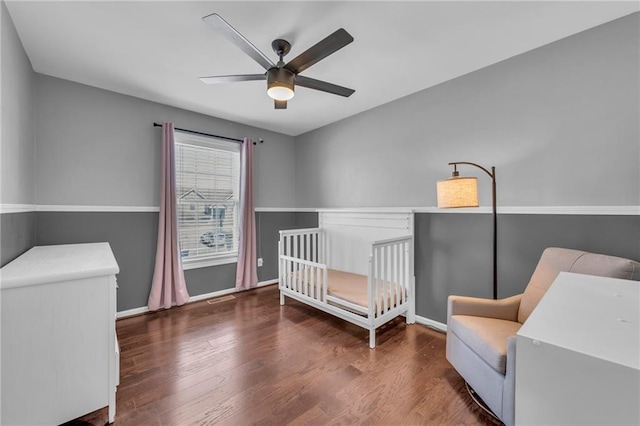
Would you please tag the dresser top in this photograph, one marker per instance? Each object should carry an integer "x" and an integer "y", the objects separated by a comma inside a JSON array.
[
  {"x": 595, "y": 316},
  {"x": 48, "y": 264}
]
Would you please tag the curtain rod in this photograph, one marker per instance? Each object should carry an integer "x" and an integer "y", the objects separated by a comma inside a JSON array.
[{"x": 207, "y": 134}]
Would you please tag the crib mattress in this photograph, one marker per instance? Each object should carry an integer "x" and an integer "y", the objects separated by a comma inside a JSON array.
[
  {"x": 352, "y": 288},
  {"x": 348, "y": 286}
]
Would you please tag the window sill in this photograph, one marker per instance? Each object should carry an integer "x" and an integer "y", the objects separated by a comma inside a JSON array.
[{"x": 207, "y": 262}]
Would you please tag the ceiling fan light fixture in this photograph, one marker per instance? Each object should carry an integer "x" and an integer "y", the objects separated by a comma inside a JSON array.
[{"x": 280, "y": 84}]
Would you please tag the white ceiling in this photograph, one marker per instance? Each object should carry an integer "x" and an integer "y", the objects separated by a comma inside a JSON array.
[{"x": 157, "y": 50}]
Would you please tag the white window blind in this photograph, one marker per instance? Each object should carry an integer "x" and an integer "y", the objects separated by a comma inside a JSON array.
[{"x": 207, "y": 190}]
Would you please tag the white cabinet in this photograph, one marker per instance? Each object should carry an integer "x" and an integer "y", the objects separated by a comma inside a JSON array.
[
  {"x": 578, "y": 354},
  {"x": 59, "y": 346}
]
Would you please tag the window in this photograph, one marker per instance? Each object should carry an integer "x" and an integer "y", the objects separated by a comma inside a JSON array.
[{"x": 207, "y": 188}]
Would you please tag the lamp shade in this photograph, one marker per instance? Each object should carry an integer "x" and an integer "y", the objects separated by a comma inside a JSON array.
[{"x": 457, "y": 192}]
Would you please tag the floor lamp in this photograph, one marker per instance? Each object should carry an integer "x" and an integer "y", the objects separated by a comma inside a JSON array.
[{"x": 460, "y": 191}]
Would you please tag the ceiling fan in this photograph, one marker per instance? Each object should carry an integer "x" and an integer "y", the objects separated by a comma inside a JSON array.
[{"x": 282, "y": 78}]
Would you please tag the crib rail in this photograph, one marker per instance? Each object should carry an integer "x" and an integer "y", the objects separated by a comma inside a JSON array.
[
  {"x": 306, "y": 244},
  {"x": 390, "y": 282},
  {"x": 301, "y": 253}
]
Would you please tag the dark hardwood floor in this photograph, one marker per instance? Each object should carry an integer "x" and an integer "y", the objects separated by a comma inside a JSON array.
[{"x": 244, "y": 359}]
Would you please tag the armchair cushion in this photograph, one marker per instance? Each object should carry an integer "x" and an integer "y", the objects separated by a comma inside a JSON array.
[
  {"x": 487, "y": 337},
  {"x": 506, "y": 309}
]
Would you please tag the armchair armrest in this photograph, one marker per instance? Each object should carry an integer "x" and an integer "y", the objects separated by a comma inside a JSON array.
[{"x": 506, "y": 309}]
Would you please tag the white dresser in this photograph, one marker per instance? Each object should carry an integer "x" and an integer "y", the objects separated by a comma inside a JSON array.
[
  {"x": 59, "y": 347},
  {"x": 578, "y": 354}
]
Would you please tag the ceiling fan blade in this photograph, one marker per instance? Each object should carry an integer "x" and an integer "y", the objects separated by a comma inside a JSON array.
[
  {"x": 279, "y": 104},
  {"x": 238, "y": 39},
  {"x": 323, "y": 86},
  {"x": 319, "y": 51},
  {"x": 232, "y": 78}
]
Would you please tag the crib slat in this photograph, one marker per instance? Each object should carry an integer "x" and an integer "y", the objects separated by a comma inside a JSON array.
[
  {"x": 394, "y": 277},
  {"x": 400, "y": 281},
  {"x": 287, "y": 279},
  {"x": 294, "y": 267},
  {"x": 324, "y": 285},
  {"x": 378, "y": 283},
  {"x": 301, "y": 269},
  {"x": 385, "y": 283},
  {"x": 306, "y": 280},
  {"x": 312, "y": 288},
  {"x": 285, "y": 264},
  {"x": 283, "y": 275},
  {"x": 318, "y": 284},
  {"x": 292, "y": 276},
  {"x": 374, "y": 287},
  {"x": 382, "y": 277},
  {"x": 402, "y": 274},
  {"x": 298, "y": 277},
  {"x": 407, "y": 276},
  {"x": 301, "y": 278},
  {"x": 396, "y": 271},
  {"x": 292, "y": 283}
]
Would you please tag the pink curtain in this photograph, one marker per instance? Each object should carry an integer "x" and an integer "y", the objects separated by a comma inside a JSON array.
[
  {"x": 247, "y": 271},
  {"x": 168, "y": 287}
]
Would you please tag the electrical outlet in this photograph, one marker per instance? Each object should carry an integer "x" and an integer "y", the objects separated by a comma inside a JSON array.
[{"x": 259, "y": 261}]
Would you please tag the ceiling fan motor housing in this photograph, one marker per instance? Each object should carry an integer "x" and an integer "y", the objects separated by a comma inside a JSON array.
[{"x": 280, "y": 83}]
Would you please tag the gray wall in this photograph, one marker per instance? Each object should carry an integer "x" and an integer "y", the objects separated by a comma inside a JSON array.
[
  {"x": 453, "y": 251},
  {"x": 18, "y": 234},
  {"x": 18, "y": 118},
  {"x": 96, "y": 147},
  {"x": 560, "y": 123},
  {"x": 17, "y": 143}
]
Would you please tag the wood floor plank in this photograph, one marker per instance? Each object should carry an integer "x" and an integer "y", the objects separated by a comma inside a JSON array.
[{"x": 247, "y": 360}]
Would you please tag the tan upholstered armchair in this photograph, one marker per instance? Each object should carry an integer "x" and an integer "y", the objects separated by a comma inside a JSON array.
[{"x": 481, "y": 342}]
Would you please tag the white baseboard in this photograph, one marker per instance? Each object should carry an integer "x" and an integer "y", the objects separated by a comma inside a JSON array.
[
  {"x": 199, "y": 297},
  {"x": 268, "y": 282},
  {"x": 132, "y": 312},
  {"x": 431, "y": 323}
]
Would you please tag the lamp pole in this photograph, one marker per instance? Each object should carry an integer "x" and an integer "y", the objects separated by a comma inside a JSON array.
[{"x": 492, "y": 175}]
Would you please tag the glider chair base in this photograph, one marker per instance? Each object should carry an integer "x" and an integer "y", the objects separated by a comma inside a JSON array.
[{"x": 479, "y": 402}]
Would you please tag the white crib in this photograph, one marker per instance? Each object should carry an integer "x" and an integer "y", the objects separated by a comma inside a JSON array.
[{"x": 357, "y": 265}]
